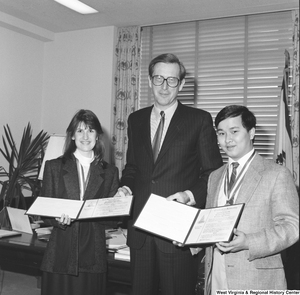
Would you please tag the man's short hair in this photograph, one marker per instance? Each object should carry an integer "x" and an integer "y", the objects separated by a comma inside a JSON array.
[
  {"x": 167, "y": 58},
  {"x": 231, "y": 111}
]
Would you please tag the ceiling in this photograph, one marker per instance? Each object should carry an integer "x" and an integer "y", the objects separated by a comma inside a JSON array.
[{"x": 51, "y": 16}]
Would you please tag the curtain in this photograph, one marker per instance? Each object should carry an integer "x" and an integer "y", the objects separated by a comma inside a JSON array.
[
  {"x": 126, "y": 88},
  {"x": 295, "y": 97}
]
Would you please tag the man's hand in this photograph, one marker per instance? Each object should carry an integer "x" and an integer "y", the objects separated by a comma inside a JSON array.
[
  {"x": 193, "y": 250},
  {"x": 181, "y": 197},
  {"x": 123, "y": 191},
  {"x": 239, "y": 243},
  {"x": 177, "y": 244}
]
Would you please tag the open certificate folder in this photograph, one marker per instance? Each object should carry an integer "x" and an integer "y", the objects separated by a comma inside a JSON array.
[
  {"x": 188, "y": 225},
  {"x": 94, "y": 208}
]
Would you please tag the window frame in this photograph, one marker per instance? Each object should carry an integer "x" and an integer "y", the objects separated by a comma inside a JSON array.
[{"x": 232, "y": 60}]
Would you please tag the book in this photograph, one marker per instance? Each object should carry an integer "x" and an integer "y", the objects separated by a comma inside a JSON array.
[
  {"x": 8, "y": 233},
  {"x": 76, "y": 209},
  {"x": 123, "y": 254},
  {"x": 186, "y": 224},
  {"x": 44, "y": 230},
  {"x": 116, "y": 239},
  {"x": 18, "y": 220}
]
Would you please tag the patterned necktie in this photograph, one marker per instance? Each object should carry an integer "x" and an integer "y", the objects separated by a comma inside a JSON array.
[
  {"x": 158, "y": 135},
  {"x": 231, "y": 182}
]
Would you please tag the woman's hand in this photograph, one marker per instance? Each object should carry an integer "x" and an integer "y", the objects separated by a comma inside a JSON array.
[{"x": 64, "y": 219}]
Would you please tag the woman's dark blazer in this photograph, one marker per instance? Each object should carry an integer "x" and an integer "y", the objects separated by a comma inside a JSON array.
[{"x": 61, "y": 181}]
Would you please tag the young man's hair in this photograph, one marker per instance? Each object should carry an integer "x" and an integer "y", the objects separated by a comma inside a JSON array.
[
  {"x": 167, "y": 58},
  {"x": 231, "y": 111}
]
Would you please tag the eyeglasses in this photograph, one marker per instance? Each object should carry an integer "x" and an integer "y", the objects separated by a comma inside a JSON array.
[{"x": 158, "y": 80}]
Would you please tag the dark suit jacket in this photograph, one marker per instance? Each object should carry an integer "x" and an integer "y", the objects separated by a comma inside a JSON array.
[
  {"x": 63, "y": 251},
  {"x": 188, "y": 154}
]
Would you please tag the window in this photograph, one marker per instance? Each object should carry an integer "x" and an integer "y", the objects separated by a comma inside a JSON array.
[{"x": 237, "y": 60}]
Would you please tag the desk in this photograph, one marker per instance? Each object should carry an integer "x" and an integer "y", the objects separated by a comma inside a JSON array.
[{"x": 25, "y": 253}]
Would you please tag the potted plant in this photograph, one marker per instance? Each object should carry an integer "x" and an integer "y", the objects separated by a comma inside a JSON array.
[{"x": 23, "y": 167}]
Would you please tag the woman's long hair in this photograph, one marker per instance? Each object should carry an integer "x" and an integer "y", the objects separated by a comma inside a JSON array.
[{"x": 89, "y": 119}]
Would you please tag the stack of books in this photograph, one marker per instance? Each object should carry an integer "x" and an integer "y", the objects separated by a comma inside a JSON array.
[
  {"x": 116, "y": 243},
  {"x": 43, "y": 233},
  {"x": 123, "y": 254}
]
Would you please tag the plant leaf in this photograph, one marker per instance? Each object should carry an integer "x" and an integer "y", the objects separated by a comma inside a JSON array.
[{"x": 24, "y": 164}]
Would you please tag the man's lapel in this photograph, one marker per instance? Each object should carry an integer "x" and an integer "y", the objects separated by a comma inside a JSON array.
[
  {"x": 250, "y": 181},
  {"x": 144, "y": 133},
  {"x": 216, "y": 186}
]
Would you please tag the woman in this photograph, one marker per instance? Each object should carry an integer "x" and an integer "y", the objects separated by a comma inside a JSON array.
[{"x": 75, "y": 259}]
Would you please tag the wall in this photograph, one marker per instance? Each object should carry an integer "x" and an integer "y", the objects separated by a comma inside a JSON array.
[
  {"x": 45, "y": 83},
  {"x": 21, "y": 80},
  {"x": 78, "y": 73}
]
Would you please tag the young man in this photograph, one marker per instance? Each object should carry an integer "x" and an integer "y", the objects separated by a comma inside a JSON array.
[
  {"x": 187, "y": 153},
  {"x": 270, "y": 220}
]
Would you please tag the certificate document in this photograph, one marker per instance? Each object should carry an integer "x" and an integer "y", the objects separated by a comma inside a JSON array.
[
  {"x": 94, "y": 208},
  {"x": 188, "y": 225}
]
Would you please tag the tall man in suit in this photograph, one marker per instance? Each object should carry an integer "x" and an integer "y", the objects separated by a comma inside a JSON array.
[
  {"x": 188, "y": 152},
  {"x": 270, "y": 220}
]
